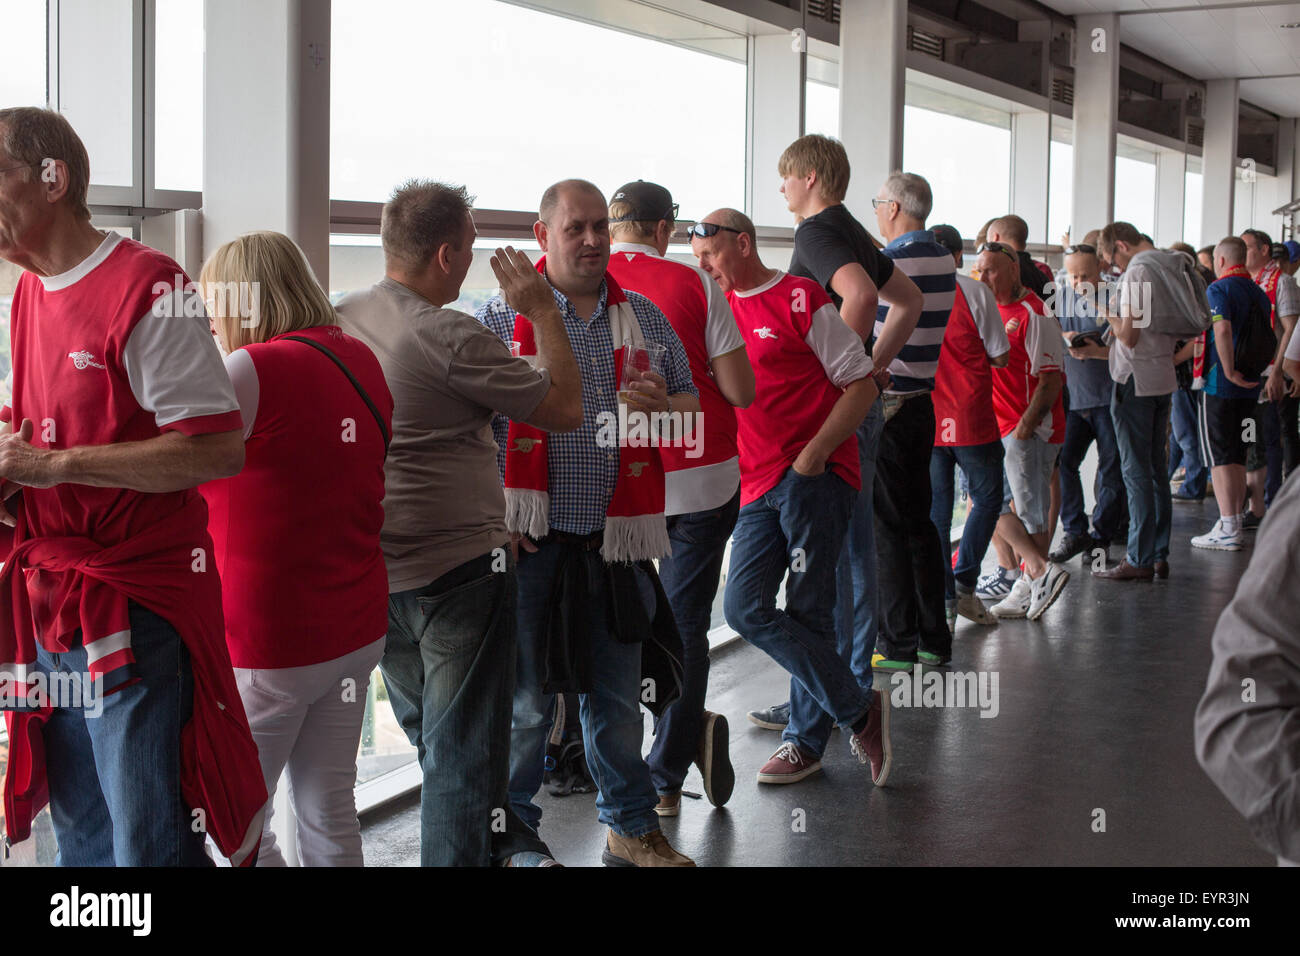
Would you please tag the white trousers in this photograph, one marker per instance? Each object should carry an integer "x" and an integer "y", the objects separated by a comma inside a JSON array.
[{"x": 308, "y": 720}]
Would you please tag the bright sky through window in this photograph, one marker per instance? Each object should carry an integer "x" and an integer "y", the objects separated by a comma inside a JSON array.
[{"x": 508, "y": 100}]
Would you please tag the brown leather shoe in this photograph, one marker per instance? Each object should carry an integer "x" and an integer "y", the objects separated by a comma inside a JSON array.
[
  {"x": 1125, "y": 572},
  {"x": 652, "y": 849},
  {"x": 1162, "y": 569},
  {"x": 669, "y": 805}
]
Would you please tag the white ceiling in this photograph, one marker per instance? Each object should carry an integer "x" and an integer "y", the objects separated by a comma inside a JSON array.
[{"x": 1230, "y": 38}]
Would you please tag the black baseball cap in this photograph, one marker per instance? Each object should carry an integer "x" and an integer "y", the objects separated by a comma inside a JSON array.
[
  {"x": 949, "y": 238},
  {"x": 650, "y": 202}
]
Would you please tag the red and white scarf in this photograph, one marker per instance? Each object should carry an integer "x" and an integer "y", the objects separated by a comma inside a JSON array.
[
  {"x": 1266, "y": 279},
  {"x": 635, "y": 526},
  {"x": 1205, "y": 341}
]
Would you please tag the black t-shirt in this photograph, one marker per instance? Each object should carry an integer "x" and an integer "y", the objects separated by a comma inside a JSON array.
[
  {"x": 831, "y": 239},
  {"x": 1032, "y": 278}
]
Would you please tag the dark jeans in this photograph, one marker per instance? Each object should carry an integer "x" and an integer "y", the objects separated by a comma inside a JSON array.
[
  {"x": 690, "y": 580},
  {"x": 982, "y": 466},
  {"x": 911, "y": 562},
  {"x": 856, "y": 588},
  {"x": 795, "y": 532},
  {"x": 1185, "y": 443},
  {"x": 1268, "y": 448},
  {"x": 612, "y": 726},
  {"x": 1082, "y": 428},
  {"x": 115, "y": 779},
  {"x": 1140, "y": 425},
  {"x": 449, "y": 666}
]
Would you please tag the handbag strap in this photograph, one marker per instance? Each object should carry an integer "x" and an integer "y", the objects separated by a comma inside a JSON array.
[{"x": 379, "y": 419}]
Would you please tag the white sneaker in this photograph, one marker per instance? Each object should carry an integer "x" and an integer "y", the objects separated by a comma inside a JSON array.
[
  {"x": 1016, "y": 604},
  {"x": 973, "y": 609},
  {"x": 1218, "y": 539},
  {"x": 1047, "y": 589},
  {"x": 997, "y": 584}
]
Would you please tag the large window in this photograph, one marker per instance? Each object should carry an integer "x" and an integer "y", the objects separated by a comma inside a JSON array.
[
  {"x": 508, "y": 100},
  {"x": 98, "y": 95},
  {"x": 1060, "y": 197},
  {"x": 1193, "y": 184},
  {"x": 971, "y": 184},
  {"x": 1254, "y": 201},
  {"x": 178, "y": 95},
  {"x": 1135, "y": 192},
  {"x": 821, "y": 109},
  {"x": 23, "y": 77}
]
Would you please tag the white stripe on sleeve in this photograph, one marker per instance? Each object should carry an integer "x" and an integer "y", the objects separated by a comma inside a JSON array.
[
  {"x": 174, "y": 367},
  {"x": 243, "y": 376},
  {"x": 988, "y": 320},
  {"x": 721, "y": 335},
  {"x": 837, "y": 347}
]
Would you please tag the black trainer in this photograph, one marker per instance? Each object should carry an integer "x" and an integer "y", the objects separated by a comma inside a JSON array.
[{"x": 1071, "y": 545}]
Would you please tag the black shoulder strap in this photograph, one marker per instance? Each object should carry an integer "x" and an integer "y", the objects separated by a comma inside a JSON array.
[{"x": 379, "y": 419}]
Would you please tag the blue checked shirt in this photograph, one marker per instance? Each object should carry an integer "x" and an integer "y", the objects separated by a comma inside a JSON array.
[{"x": 583, "y": 474}]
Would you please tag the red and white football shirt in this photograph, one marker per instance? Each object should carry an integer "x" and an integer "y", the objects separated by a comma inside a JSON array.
[
  {"x": 704, "y": 477},
  {"x": 104, "y": 353},
  {"x": 1036, "y": 347},
  {"x": 804, "y": 356},
  {"x": 963, "y": 385}
]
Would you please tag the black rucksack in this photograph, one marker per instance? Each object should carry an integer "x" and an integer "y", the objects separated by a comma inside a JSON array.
[
  {"x": 1256, "y": 343},
  {"x": 566, "y": 754}
]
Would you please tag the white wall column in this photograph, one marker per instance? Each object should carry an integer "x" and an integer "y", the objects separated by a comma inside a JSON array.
[
  {"x": 873, "y": 57},
  {"x": 266, "y": 123},
  {"x": 1031, "y": 144},
  {"x": 1171, "y": 194},
  {"x": 1219, "y": 161},
  {"x": 1096, "y": 111},
  {"x": 775, "y": 107}
]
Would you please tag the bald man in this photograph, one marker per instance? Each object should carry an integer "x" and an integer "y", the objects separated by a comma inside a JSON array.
[{"x": 799, "y": 476}]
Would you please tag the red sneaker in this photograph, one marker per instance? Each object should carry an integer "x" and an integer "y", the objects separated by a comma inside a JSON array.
[
  {"x": 872, "y": 745},
  {"x": 789, "y": 765}
]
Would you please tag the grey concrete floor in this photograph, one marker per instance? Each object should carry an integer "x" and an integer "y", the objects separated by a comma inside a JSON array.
[{"x": 1094, "y": 726}]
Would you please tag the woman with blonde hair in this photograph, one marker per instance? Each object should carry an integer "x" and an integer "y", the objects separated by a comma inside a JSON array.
[{"x": 296, "y": 533}]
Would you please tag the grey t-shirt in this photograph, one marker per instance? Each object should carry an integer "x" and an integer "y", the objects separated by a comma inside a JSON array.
[
  {"x": 1288, "y": 297},
  {"x": 1151, "y": 362},
  {"x": 447, "y": 374},
  {"x": 1248, "y": 721}
]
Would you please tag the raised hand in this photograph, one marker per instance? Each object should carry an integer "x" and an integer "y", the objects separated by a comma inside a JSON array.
[{"x": 522, "y": 286}]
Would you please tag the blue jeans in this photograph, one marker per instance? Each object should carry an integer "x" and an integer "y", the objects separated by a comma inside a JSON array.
[
  {"x": 612, "y": 727},
  {"x": 982, "y": 466},
  {"x": 1082, "y": 427},
  {"x": 855, "y": 575},
  {"x": 449, "y": 667},
  {"x": 1140, "y": 425},
  {"x": 115, "y": 779},
  {"x": 1185, "y": 444},
  {"x": 690, "y": 580},
  {"x": 797, "y": 527}
]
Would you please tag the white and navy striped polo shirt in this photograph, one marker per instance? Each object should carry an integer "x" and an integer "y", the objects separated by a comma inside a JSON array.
[{"x": 932, "y": 268}]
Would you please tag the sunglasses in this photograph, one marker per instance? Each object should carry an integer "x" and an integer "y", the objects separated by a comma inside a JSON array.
[
  {"x": 1081, "y": 247},
  {"x": 997, "y": 247},
  {"x": 706, "y": 229}
]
